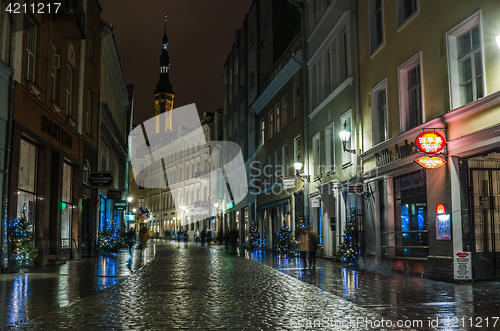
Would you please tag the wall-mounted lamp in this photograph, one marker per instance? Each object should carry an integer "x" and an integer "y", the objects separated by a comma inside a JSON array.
[
  {"x": 129, "y": 199},
  {"x": 134, "y": 210},
  {"x": 344, "y": 138},
  {"x": 298, "y": 165}
]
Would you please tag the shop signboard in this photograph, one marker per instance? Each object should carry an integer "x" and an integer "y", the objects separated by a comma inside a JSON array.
[
  {"x": 114, "y": 195},
  {"x": 430, "y": 142},
  {"x": 230, "y": 205},
  {"x": 443, "y": 223},
  {"x": 100, "y": 179},
  {"x": 315, "y": 203},
  {"x": 289, "y": 183},
  {"x": 120, "y": 205},
  {"x": 430, "y": 162},
  {"x": 462, "y": 265},
  {"x": 130, "y": 218},
  {"x": 356, "y": 189}
]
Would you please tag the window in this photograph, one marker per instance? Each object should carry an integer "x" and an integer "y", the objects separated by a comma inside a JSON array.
[
  {"x": 330, "y": 148},
  {"x": 285, "y": 112},
  {"x": 271, "y": 170},
  {"x": 30, "y": 50},
  {"x": 410, "y": 94},
  {"x": 327, "y": 73},
  {"x": 69, "y": 88},
  {"x": 285, "y": 161},
  {"x": 379, "y": 113},
  {"x": 316, "y": 155},
  {"x": 406, "y": 9},
  {"x": 271, "y": 124},
  {"x": 376, "y": 25},
  {"x": 91, "y": 44},
  {"x": 465, "y": 63},
  {"x": 279, "y": 168},
  {"x": 89, "y": 108},
  {"x": 296, "y": 104},
  {"x": 262, "y": 130},
  {"x": 27, "y": 179},
  {"x": 86, "y": 172},
  {"x": 314, "y": 87},
  {"x": 53, "y": 73},
  {"x": 67, "y": 207},
  {"x": 346, "y": 118},
  {"x": 278, "y": 118},
  {"x": 296, "y": 149}
]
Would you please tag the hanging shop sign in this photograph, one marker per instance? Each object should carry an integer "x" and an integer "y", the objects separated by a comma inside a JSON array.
[
  {"x": 100, "y": 179},
  {"x": 443, "y": 223},
  {"x": 114, "y": 195},
  {"x": 289, "y": 183},
  {"x": 120, "y": 205},
  {"x": 130, "y": 218},
  {"x": 430, "y": 142},
  {"x": 462, "y": 265},
  {"x": 315, "y": 203},
  {"x": 230, "y": 205},
  {"x": 430, "y": 162},
  {"x": 356, "y": 189}
]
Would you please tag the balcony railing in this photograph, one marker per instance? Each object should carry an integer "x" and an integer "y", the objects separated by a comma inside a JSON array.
[
  {"x": 292, "y": 49},
  {"x": 70, "y": 18}
]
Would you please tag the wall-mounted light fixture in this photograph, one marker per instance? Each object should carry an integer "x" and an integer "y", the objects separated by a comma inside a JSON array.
[
  {"x": 298, "y": 166},
  {"x": 344, "y": 138}
]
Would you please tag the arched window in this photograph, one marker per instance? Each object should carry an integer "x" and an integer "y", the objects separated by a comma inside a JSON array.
[{"x": 86, "y": 172}]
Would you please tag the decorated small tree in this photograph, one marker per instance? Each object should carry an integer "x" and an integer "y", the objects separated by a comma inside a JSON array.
[
  {"x": 23, "y": 249},
  {"x": 110, "y": 240},
  {"x": 286, "y": 244},
  {"x": 348, "y": 250},
  {"x": 254, "y": 236}
]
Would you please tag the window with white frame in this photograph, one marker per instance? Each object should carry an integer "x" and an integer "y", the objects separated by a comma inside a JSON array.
[
  {"x": 69, "y": 88},
  {"x": 379, "y": 113},
  {"x": 53, "y": 73},
  {"x": 30, "y": 50},
  {"x": 346, "y": 118},
  {"x": 86, "y": 172},
  {"x": 316, "y": 155},
  {"x": 277, "y": 109},
  {"x": 330, "y": 148},
  {"x": 465, "y": 62},
  {"x": 285, "y": 112},
  {"x": 296, "y": 103},
  {"x": 410, "y": 94},
  {"x": 406, "y": 9},
  {"x": 329, "y": 66},
  {"x": 271, "y": 123},
  {"x": 88, "y": 111},
  {"x": 285, "y": 161},
  {"x": 376, "y": 25},
  {"x": 262, "y": 131},
  {"x": 279, "y": 168},
  {"x": 296, "y": 150}
]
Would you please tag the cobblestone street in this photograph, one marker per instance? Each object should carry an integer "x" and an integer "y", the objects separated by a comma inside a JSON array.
[{"x": 192, "y": 287}]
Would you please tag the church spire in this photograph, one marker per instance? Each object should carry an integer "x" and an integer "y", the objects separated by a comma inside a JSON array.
[{"x": 164, "y": 85}]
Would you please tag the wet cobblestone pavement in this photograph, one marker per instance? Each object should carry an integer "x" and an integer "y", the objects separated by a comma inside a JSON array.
[{"x": 191, "y": 287}]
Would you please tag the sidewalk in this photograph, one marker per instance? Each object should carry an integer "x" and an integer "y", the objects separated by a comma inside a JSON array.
[{"x": 25, "y": 296}]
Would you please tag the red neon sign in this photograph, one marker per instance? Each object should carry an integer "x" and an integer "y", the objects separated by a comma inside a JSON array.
[
  {"x": 430, "y": 162},
  {"x": 430, "y": 142},
  {"x": 440, "y": 209}
]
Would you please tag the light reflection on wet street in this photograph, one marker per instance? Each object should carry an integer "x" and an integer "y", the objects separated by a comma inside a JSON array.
[{"x": 193, "y": 287}]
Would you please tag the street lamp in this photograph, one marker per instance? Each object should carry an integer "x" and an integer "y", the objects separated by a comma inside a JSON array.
[
  {"x": 298, "y": 165},
  {"x": 129, "y": 199},
  {"x": 134, "y": 210},
  {"x": 344, "y": 138}
]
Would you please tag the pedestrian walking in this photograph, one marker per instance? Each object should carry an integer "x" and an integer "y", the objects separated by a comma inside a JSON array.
[
  {"x": 227, "y": 239},
  {"x": 203, "y": 236},
  {"x": 233, "y": 235},
  {"x": 130, "y": 239},
  {"x": 303, "y": 247},
  {"x": 143, "y": 238},
  {"x": 197, "y": 235},
  {"x": 209, "y": 237},
  {"x": 312, "y": 238}
]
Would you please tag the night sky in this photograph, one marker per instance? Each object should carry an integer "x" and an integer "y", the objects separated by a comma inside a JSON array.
[{"x": 200, "y": 34}]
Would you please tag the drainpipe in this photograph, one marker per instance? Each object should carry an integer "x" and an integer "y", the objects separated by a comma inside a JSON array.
[{"x": 300, "y": 6}]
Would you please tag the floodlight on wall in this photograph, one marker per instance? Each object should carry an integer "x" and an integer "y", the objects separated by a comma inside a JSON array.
[{"x": 344, "y": 138}]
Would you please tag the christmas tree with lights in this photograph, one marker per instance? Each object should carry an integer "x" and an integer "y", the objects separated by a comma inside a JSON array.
[
  {"x": 254, "y": 237},
  {"x": 348, "y": 250},
  {"x": 110, "y": 240},
  {"x": 286, "y": 244},
  {"x": 22, "y": 237}
]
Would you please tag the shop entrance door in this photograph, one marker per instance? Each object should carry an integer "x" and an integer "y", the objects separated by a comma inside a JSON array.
[
  {"x": 414, "y": 228},
  {"x": 485, "y": 185}
]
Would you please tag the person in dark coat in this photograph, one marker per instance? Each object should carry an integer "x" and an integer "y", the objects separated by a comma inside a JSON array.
[
  {"x": 312, "y": 238},
  {"x": 203, "y": 236},
  {"x": 130, "y": 239},
  {"x": 233, "y": 235}
]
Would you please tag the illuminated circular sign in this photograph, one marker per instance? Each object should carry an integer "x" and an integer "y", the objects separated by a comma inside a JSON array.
[
  {"x": 430, "y": 142},
  {"x": 430, "y": 162},
  {"x": 440, "y": 209}
]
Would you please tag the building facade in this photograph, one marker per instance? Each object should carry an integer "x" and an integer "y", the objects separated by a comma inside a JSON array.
[{"x": 442, "y": 81}]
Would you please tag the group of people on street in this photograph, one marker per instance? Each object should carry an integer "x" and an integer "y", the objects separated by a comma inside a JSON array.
[
  {"x": 144, "y": 236},
  {"x": 205, "y": 236},
  {"x": 308, "y": 242}
]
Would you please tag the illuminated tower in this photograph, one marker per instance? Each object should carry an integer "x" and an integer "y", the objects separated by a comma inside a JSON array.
[{"x": 164, "y": 92}]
